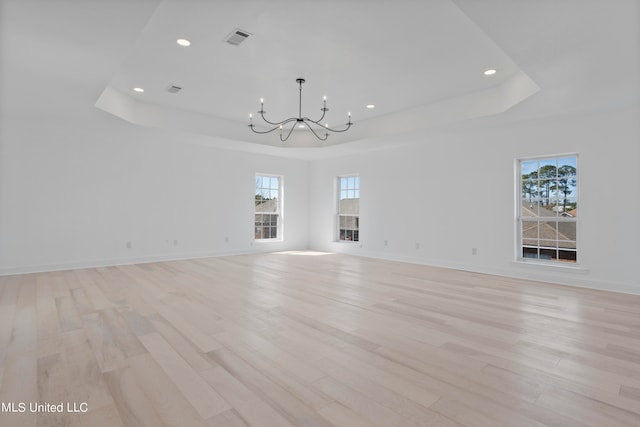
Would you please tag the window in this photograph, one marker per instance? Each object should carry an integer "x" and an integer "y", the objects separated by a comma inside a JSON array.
[
  {"x": 268, "y": 207},
  {"x": 548, "y": 209},
  {"x": 349, "y": 208}
]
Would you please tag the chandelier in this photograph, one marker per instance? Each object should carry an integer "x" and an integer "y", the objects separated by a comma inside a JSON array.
[{"x": 321, "y": 131}]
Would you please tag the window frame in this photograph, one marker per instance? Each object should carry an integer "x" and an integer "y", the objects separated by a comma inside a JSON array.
[
  {"x": 338, "y": 215},
  {"x": 521, "y": 219},
  {"x": 279, "y": 209}
]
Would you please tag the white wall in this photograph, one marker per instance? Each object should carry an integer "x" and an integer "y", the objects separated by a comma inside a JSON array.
[
  {"x": 75, "y": 188},
  {"x": 452, "y": 191},
  {"x": 76, "y": 184}
]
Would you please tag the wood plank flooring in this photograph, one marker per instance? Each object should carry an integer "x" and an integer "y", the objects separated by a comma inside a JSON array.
[{"x": 306, "y": 339}]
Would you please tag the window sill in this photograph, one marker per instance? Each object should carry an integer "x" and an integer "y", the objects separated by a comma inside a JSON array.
[{"x": 551, "y": 265}]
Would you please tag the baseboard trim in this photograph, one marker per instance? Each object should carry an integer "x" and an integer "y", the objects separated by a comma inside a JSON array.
[
  {"x": 523, "y": 272},
  {"x": 566, "y": 277},
  {"x": 45, "y": 268}
]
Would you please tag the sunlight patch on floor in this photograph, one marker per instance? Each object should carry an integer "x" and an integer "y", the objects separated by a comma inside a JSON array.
[{"x": 303, "y": 253}]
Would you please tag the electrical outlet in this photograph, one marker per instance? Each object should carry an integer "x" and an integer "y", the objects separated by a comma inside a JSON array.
[
  {"x": 417, "y": 245},
  {"x": 474, "y": 251},
  {"x": 175, "y": 242},
  {"x": 226, "y": 239},
  {"x": 129, "y": 244},
  {"x": 386, "y": 243}
]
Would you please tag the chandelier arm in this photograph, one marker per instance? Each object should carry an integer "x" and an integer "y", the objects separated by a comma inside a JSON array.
[
  {"x": 324, "y": 112},
  {"x": 341, "y": 130},
  {"x": 263, "y": 132},
  {"x": 328, "y": 128},
  {"x": 288, "y": 134},
  {"x": 275, "y": 123},
  {"x": 284, "y": 122},
  {"x": 326, "y": 135},
  {"x": 276, "y": 126}
]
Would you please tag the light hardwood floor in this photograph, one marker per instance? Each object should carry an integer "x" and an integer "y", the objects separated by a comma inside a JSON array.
[{"x": 302, "y": 340}]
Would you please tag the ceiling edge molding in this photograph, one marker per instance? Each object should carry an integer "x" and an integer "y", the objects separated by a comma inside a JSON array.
[{"x": 488, "y": 102}]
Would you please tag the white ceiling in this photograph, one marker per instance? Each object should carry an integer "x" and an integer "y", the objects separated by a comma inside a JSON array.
[
  {"x": 395, "y": 57},
  {"x": 420, "y": 62}
]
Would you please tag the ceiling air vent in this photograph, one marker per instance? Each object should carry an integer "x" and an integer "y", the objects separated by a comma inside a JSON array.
[
  {"x": 237, "y": 36},
  {"x": 174, "y": 89}
]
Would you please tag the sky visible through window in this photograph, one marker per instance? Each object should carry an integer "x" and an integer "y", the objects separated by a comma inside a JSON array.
[
  {"x": 267, "y": 187},
  {"x": 528, "y": 166},
  {"x": 350, "y": 187}
]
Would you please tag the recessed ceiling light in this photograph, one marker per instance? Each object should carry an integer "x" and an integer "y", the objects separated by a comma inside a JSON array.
[
  {"x": 370, "y": 106},
  {"x": 138, "y": 89},
  {"x": 490, "y": 72},
  {"x": 183, "y": 42}
]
